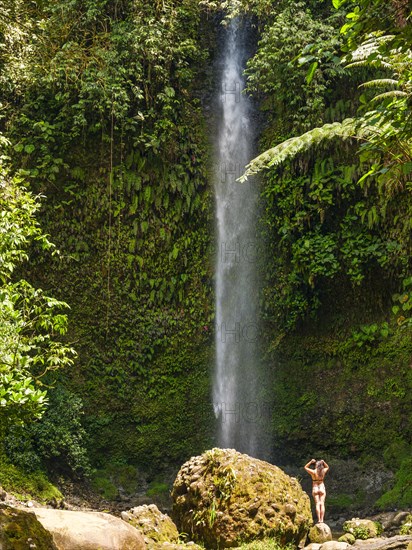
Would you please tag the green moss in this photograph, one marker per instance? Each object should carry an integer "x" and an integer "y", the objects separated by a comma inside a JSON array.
[
  {"x": 27, "y": 486},
  {"x": 339, "y": 502},
  {"x": 105, "y": 487},
  {"x": 115, "y": 479},
  {"x": 20, "y": 530},
  {"x": 157, "y": 488},
  {"x": 135, "y": 266},
  {"x": 396, "y": 452},
  {"x": 266, "y": 544},
  {"x": 400, "y": 495},
  {"x": 363, "y": 529},
  {"x": 350, "y": 400},
  {"x": 406, "y": 528},
  {"x": 347, "y": 537}
]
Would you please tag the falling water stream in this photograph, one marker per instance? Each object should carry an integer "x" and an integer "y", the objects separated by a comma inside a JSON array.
[{"x": 236, "y": 400}]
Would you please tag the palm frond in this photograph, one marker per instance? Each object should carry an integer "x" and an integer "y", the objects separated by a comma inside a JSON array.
[
  {"x": 379, "y": 82},
  {"x": 369, "y": 63},
  {"x": 370, "y": 46},
  {"x": 291, "y": 147},
  {"x": 392, "y": 93},
  {"x": 361, "y": 57}
]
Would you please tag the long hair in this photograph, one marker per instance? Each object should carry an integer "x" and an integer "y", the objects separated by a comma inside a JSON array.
[{"x": 320, "y": 468}]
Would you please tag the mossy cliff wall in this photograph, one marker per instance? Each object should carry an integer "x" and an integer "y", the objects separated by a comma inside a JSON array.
[
  {"x": 343, "y": 394},
  {"x": 333, "y": 396},
  {"x": 111, "y": 129}
]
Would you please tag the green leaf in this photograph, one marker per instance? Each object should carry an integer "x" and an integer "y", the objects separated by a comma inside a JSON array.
[
  {"x": 311, "y": 72},
  {"x": 29, "y": 148},
  {"x": 147, "y": 193}
]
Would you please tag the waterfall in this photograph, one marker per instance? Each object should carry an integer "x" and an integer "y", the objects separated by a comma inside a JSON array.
[{"x": 236, "y": 396}]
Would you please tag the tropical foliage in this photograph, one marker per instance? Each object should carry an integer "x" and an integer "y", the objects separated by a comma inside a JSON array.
[
  {"x": 317, "y": 247},
  {"x": 108, "y": 109},
  {"x": 31, "y": 322}
]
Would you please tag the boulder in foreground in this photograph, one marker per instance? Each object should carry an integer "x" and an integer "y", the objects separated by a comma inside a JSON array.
[
  {"x": 223, "y": 498},
  {"x": 155, "y": 526},
  {"x": 320, "y": 533},
  {"x": 74, "y": 530}
]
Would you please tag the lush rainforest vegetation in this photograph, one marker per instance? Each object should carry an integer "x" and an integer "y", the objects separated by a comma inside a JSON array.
[{"x": 107, "y": 242}]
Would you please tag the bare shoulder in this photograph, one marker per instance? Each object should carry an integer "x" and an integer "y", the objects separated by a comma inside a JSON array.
[{"x": 311, "y": 472}]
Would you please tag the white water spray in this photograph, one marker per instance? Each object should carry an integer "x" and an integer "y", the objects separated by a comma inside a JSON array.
[{"x": 236, "y": 400}]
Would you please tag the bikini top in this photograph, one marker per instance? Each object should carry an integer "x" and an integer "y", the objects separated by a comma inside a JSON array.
[{"x": 317, "y": 480}]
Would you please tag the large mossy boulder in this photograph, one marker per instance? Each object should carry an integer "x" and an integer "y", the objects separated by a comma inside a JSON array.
[
  {"x": 20, "y": 530},
  {"x": 223, "y": 498}
]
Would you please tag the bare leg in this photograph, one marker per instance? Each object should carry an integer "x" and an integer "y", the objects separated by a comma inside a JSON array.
[
  {"x": 322, "y": 507},
  {"x": 317, "y": 500}
]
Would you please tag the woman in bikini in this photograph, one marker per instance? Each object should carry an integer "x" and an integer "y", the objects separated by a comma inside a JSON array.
[{"x": 318, "y": 486}]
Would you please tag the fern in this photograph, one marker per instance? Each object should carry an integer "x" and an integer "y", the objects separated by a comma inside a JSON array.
[
  {"x": 371, "y": 46},
  {"x": 379, "y": 63},
  {"x": 348, "y": 128},
  {"x": 380, "y": 82},
  {"x": 392, "y": 93}
]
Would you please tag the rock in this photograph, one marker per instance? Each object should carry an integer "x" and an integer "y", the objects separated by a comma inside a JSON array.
[
  {"x": 74, "y": 530},
  {"x": 399, "y": 542},
  {"x": 21, "y": 530},
  {"x": 223, "y": 498},
  {"x": 320, "y": 533},
  {"x": 57, "y": 503},
  {"x": 334, "y": 545},
  {"x": 155, "y": 526},
  {"x": 406, "y": 528},
  {"x": 400, "y": 518},
  {"x": 181, "y": 546},
  {"x": 328, "y": 545},
  {"x": 391, "y": 521},
  {"x": 347, "y": 537},
  {"x": 362, "y": 528}
]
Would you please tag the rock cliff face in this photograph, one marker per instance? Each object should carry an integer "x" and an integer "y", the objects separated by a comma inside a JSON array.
[{"x": 223, "y": 497}]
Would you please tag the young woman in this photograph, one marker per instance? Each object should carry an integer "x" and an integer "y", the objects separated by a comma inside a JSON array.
[{"x": 318, "y": 487}]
